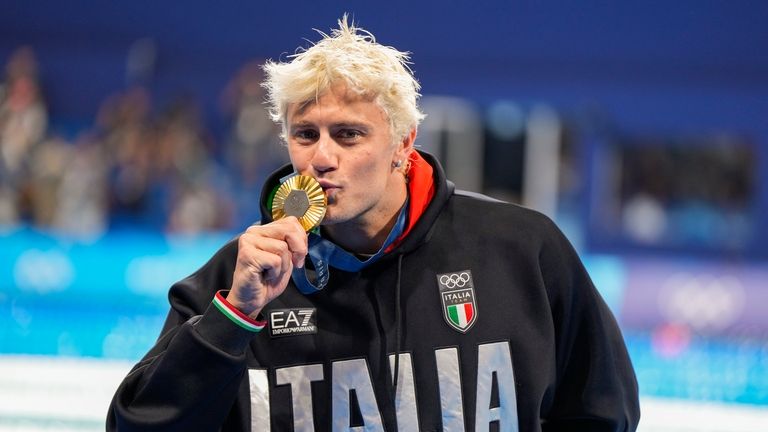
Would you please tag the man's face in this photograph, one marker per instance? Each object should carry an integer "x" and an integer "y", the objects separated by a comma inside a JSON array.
[{"x": 344, "y": 141}]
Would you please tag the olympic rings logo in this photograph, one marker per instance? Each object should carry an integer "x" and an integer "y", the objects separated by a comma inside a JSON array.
[{"x": 454, "y": 280}]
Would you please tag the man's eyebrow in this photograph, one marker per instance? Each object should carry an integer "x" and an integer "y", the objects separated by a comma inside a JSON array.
[
  {"x": 300, "y": 124},
  {"x": 350, "y": 125},
  {"x": 339, "y": 125}
]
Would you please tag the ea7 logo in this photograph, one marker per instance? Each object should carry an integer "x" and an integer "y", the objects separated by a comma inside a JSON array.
[
  {"x": 292, "y": 322},
  {"x": 457, "y": 294}
]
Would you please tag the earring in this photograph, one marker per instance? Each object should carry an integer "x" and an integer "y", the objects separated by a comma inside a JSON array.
[{"x": 397, "y": 164}]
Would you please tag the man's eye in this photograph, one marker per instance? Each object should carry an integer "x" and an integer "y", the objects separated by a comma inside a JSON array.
[
  {"x": 305, "y": 135},
  {"x": 348, "y": 134}
]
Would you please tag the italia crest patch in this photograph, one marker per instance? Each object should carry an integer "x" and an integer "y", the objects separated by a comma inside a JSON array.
[{"x": 457, "y": 294}]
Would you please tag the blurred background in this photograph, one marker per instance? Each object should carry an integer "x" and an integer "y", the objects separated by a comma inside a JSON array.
[{"x": 133, "y": 143}]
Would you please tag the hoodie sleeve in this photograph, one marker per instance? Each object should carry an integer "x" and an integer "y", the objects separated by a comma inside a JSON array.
[
  {"x": 190, "y": 379},
  {"x": 596, "y": 387}
]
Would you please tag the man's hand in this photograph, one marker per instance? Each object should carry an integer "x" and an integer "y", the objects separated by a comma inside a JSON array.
[{"x": 266, "y": 256}]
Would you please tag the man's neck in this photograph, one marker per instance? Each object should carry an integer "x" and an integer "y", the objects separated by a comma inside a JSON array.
[
  {"x": 364, "y": 237},
  {"x": 357, "y": 238}
]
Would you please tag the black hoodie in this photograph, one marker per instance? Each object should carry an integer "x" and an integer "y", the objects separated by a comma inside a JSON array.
[{"x": 496, "y": 323}]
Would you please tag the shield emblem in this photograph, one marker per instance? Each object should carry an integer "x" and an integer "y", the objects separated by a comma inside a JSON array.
[{"x": 457, "y": 294}]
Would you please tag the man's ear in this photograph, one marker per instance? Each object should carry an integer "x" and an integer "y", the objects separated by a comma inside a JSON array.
[{"x": 405, "y": 147}]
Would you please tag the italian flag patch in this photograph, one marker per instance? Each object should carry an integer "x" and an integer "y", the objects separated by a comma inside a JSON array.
[
  {"x": 461, "y": 314},
  {"x": 457, "y": 296}
]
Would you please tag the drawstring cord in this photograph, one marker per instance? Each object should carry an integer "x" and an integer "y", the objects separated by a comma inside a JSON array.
[{"x": 397, "y": 322}]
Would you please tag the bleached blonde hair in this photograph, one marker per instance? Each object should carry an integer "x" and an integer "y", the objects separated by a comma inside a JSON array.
[{"x": 350, "y": 55}]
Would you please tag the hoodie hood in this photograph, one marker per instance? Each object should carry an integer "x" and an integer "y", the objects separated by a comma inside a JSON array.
[{"x": 428, "y": 190}]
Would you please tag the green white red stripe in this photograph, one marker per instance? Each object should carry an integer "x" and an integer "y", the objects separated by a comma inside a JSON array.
[
  {"x": 461, "y": 314},
  {"x": 236, "y": 316}
]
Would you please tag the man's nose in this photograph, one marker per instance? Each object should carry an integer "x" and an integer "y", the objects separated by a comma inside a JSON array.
[{"x": 324, "y": 158}]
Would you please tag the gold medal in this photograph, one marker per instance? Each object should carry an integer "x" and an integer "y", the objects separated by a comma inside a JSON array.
[{"x": 300, "y": 196}]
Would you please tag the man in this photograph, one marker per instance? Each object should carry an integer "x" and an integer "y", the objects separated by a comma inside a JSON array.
[{"x": 414, "y": 307}]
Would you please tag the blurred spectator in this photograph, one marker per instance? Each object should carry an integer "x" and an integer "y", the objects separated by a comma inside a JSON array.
[
  {"x": 253, "y": 146},
  {"x": 185, "y": 174},
  {"x": 133, "y": 169},
  {"x": 50, "y": 163},
  {"x": 82, "y": 194},
  {"x": 688, "y": 193},
  {"x": 127, "y": 135},
  {"x": 23, "y": 122}
]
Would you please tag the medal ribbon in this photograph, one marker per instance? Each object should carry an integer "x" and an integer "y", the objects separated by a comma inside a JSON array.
[{"x": 323, "y": 252}]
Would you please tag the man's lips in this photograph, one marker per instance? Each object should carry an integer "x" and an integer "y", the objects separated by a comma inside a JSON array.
[{"x": 328, "y": 185}]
